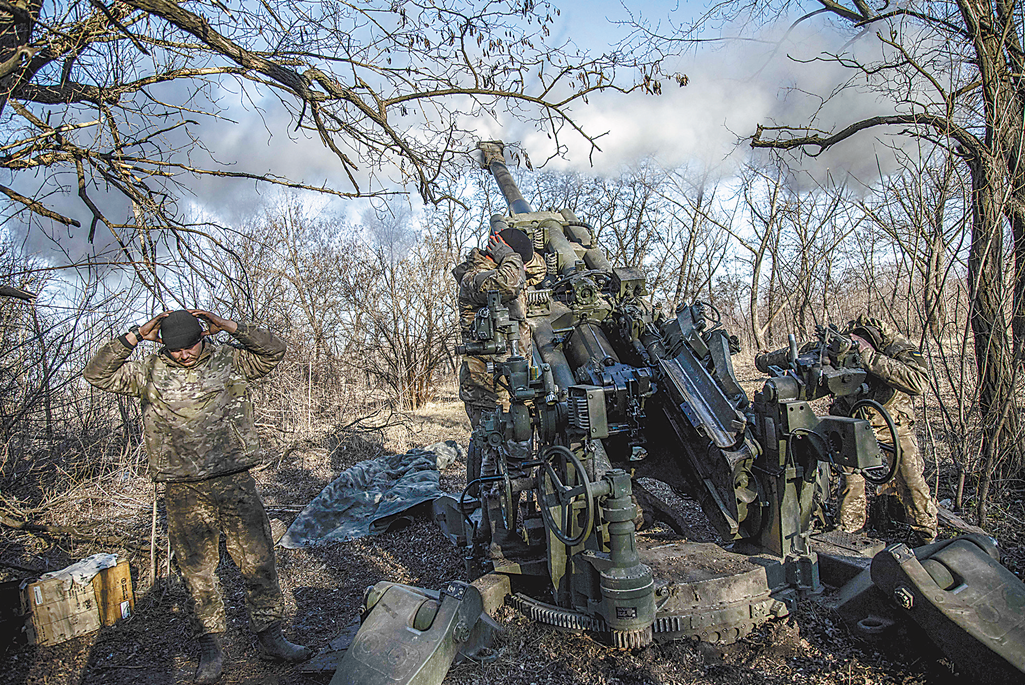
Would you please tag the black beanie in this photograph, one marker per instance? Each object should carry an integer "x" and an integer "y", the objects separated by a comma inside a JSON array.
[
  {"x": 180, "y": 330},
  {"x": 520, "y": 242}
]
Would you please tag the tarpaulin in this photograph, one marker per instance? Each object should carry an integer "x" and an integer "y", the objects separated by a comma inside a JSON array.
[{"x": 372, "y": 496}]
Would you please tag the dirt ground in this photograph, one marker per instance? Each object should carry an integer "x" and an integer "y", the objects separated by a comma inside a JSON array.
[{"x": 323, "y": 589}]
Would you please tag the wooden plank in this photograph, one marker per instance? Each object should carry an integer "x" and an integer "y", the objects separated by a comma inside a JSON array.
[{"x": 952, "y": 520}]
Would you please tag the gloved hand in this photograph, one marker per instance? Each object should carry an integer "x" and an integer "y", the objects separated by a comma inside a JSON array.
[
  {"x": 499, "y": 249},
  {"x": 859, "y": 343}
]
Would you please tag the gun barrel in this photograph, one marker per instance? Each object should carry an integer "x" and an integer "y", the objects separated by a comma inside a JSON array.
[{"x": 494, "y": 161}]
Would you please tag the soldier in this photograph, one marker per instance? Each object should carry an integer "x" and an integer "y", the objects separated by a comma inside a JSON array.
[
  {"x": 508, "y": 266},
  {"x": 896, "y": 372},
  {"x": 201, "y": 442},
  {"x": 500, "y": 268}
]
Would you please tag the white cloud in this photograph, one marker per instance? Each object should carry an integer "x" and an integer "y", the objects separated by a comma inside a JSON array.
[{"x": 730, "y": 91}]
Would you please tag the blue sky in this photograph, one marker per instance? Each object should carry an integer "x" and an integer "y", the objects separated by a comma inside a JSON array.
[{"x": 732, "y": 88}]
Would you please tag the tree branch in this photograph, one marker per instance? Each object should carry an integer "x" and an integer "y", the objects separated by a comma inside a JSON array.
[
  {"x": 38, "y": 208},
  {"x": 941, "y": 125}
]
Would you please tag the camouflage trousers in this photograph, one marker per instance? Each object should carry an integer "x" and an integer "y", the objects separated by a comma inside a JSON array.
[
  {"x": 908, "y": 483},
  {"x": 477, "y": 389},
  {"x": 197, "y": 513}
]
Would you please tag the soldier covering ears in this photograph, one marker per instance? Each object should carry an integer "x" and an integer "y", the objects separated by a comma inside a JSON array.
[{"x": 201, "y": 441}]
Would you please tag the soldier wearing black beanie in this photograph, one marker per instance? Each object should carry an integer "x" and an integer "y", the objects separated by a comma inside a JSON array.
[
  {"x": 179, "y": 330},
  {"x": 201, "y": 441}
]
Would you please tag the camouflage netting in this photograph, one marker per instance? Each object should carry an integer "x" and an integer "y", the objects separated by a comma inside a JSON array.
[{"x": 372, "y": 496}]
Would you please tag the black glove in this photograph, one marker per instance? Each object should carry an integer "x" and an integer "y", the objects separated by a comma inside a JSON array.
[{"x": 499, "y": 249}]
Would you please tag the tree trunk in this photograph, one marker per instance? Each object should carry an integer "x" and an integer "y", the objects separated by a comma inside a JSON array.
[
  {"x": 989, "y": 325},
  {"x": 935, "y": 307},
  {"x": 756, "y": 328}
]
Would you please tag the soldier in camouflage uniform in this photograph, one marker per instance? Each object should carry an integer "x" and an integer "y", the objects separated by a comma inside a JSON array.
[
  {"x": 501, "y": 268},
  {"x": 896, "y": 372},
  {"x": 509, "y": 266},
  {"x": 201, "y": 442}
]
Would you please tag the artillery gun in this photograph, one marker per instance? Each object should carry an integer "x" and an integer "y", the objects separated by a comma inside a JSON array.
[{"x": 614, "y": 390}]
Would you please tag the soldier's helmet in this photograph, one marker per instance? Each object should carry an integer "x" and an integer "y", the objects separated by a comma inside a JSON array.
[{"x": 872, "y": 330}]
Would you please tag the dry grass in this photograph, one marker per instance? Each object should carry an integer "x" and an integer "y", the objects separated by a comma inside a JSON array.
[{"x": 323, "y": 588}]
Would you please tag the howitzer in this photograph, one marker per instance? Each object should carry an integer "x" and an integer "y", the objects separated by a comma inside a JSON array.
[
  {"x": 615, "y": 386},
  {"x": 613, "y": 391}
]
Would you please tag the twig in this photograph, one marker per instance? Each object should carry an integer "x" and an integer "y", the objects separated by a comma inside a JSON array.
[
  {"x": 73, "y": 533},
  {"x": 153, "y": 541}
]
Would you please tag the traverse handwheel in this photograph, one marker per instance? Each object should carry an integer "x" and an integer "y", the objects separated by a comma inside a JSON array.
[{"x": 553, "y": 492}]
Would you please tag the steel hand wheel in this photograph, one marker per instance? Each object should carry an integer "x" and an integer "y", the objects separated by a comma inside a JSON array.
[
  {"x": 553, "y": 492},
  {"x": 871, "y": 474}
]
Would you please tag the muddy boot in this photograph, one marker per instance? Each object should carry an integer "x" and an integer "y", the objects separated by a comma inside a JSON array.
[
  {"x": 921, "y": 537},
  {"x": 211, "y": 659},
  {"x": 273, "y": 645},
  {"x": 887, "y": 513}
]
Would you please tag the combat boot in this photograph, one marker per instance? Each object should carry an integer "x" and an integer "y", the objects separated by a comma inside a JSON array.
[
  {"x": 920, "y": 538},
  {"x": 211, "y": 659},
  {"x": 273, "y": 645}
]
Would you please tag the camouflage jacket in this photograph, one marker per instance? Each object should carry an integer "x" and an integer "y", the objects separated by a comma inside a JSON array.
[
  {"x": 479, "y": 274},
  {"x": 197, "y": 421},
  {"x": 895, "y": 374}
]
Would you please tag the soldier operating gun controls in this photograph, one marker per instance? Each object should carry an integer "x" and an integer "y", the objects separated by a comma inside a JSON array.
[
  {"x": 502, "y": 268},
  {"x": 494, "y": 331},
  {"x": 894, "y": 372}
]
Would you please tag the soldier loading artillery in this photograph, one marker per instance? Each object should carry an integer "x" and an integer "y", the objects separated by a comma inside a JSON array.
[{"x": 491, "y": 286}]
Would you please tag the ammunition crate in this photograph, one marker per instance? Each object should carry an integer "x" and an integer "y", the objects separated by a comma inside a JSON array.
[{"x": 60, "y": 609}]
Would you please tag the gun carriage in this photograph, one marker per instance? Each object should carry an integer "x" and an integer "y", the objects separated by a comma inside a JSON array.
[{"x": 613, "y": 391}]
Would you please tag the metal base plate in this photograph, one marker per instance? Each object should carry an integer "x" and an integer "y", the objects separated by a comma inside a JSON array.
[
  {"x": 842, "y": 555},
  {"x": 703, "y": 592},
  {"x": 708, "y": 593}
]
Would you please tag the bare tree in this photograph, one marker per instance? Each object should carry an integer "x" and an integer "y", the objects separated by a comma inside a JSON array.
[
  {"x": 763, "y": 194},
  {"x": 42, "y": 347},
  {"x": 923, "y": 211},
  {"x": 951, "y": 72},
  {"x": 106, "y": 98},
  {"x": 694, "y": 236},
  {"x": 407, "y": 308},
  {"x": 816, "y": 222}
]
